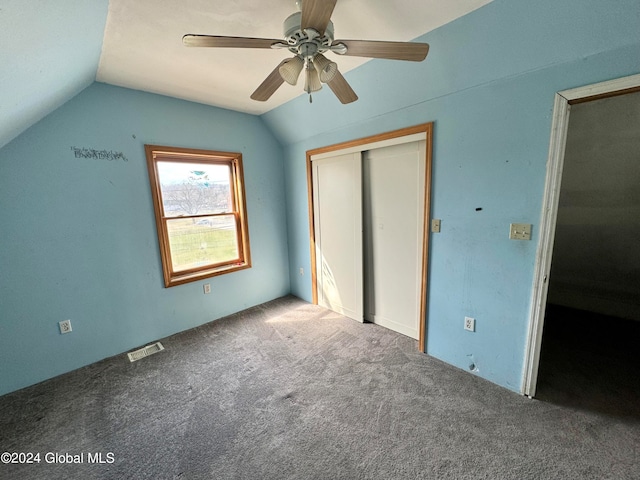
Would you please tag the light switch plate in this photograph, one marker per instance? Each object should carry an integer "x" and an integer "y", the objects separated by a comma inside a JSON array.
[
  {"x": 520, "y": 231},
  {"x": 435, "y": 225}
]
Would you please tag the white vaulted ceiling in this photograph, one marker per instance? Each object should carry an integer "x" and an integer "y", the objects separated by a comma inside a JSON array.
[{"x": 143, "y": 48}]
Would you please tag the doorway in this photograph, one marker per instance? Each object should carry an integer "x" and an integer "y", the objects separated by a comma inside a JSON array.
[
  {"x": 369, "y": 203},
  {"x": 549, "y": 221}
]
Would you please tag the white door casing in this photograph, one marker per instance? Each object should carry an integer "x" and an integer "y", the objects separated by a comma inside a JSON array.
[{"x": 555, "y": 162}]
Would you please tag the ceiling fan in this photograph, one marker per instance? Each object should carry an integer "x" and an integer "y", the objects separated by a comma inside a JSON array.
[{"x": 308, "y": 34}]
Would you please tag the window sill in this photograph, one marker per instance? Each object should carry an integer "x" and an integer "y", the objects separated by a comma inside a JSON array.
[{"x": 182, "y": 278}]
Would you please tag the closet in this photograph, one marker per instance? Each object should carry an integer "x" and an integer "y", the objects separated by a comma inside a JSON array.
[{"x": 370, "y": 207}]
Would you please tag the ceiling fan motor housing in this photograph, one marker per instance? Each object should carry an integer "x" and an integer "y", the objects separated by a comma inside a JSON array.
[{"x": 299, "y": 40}]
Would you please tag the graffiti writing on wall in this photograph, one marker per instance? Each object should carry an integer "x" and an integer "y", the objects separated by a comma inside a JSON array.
[{"x": 109, "y": 155}]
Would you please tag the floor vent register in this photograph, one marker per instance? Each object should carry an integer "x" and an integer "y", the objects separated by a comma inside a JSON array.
[{"x": 145, "y": 351}]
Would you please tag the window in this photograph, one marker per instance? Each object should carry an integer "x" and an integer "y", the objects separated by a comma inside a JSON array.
[{"x": 201, "y": 217}]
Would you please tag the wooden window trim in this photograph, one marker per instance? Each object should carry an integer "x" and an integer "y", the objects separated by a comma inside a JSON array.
[{"x": 157, "y": 153}]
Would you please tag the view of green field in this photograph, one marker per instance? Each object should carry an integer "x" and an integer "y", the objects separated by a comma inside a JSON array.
[{"x": 205, "y": 241}]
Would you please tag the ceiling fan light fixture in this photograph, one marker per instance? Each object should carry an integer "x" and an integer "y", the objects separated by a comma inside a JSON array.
[
  {"x": 312, "y": 80},
  {"x": 326, "y": 68},
  {"x": 290, "y": 71}
]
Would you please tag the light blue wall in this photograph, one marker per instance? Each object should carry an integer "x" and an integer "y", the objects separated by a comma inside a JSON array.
[
  {"x": 78, "y": 238},
  {"x": 49, "y": 52},
  {"x": 488, "y": 84}
]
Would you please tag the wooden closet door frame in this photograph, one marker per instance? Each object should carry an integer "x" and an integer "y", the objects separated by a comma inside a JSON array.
[{"x": 367, "y": 143}]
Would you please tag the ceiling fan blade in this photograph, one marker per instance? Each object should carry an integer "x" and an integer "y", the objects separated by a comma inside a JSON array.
[
  {"x": 342, "y": 89},
  {"x": 270, "y": 84},
  {"x": 229, "y": 42},
  {"x": 412, "y": 51},
  {"x": 316, "y": 14}
]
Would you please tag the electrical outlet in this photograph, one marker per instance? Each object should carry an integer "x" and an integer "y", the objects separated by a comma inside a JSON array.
[
  {"x": 301, "y": 271},
  {"x": 470, "y": 324},
  {"x": 207, "y": 288},
  {"x": 65, "y": 326}
]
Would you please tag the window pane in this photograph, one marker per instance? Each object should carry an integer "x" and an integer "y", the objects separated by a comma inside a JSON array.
[
  {"x": 194, "y": 188},
  {"x": 197, "y": 242}
]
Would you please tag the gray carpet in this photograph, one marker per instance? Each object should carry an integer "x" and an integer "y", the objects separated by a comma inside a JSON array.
[{"x": 288, "y": 390}]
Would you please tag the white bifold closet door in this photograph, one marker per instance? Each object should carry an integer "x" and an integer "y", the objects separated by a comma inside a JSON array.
[
  {"x": 368, "y": 226},
  {"x": 337, "y": 198}
]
